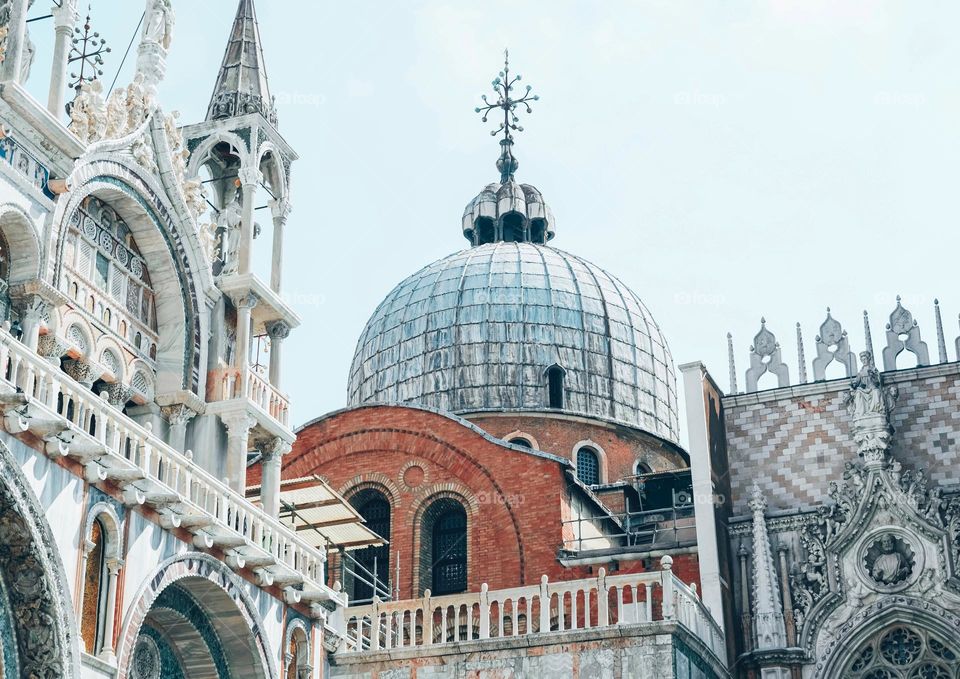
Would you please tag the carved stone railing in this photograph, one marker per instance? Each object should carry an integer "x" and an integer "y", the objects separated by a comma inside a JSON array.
[
  {"x": 604, "y": 601},
  {"x": 74, "y": 422},
  {"x": 268, "y": 398},
  {"x": 225, "y": 385}
]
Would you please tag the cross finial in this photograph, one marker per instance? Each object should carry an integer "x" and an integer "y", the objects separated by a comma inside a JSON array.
[{"x": 503, "y": 87}]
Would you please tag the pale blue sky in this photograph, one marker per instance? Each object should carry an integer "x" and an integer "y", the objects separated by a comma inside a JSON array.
[{"x": 725, "y": 159}]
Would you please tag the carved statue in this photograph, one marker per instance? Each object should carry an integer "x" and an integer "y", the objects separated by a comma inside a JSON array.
[
  {"x": 889, "y": 567},
  {"x": 866, "y": 391},
  {"x": 138, "y": 102},
  {"x": 116, "y": 114},
  {"x": 88, "y": 115},
  {"x": 158, "y": 23},
  {"x": 228, "y": 221}
]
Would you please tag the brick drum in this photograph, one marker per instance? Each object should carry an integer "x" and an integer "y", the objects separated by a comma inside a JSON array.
[{"x": 515, "y": 499}]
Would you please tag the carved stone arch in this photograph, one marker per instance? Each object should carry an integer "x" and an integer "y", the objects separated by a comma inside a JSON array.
[
  {"x": 208, "y": 580},
  {"x": 848, "y": 638},
  {"x": 21, "y": 237},
  {"x": 181, "y": 281},
  {"x": 78, "y": 332},
  {"x": 107, "y": 344},
  {"x": 297, "y": 631},
  {"x": 111, "y": 521},
  {"x": 274, "y": 173},
  {"x": 47, "y": 640},
  {"x": 525, "y": 436},
  {"x": 201, "y": 154}
]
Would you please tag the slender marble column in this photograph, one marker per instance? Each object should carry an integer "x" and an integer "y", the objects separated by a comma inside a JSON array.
[
  {"x": 279, "y": 209},
  {"x": 238, "y": 443},
  {"x": 64, "y": 19},
  {"x": 16, "y": 40},
  {"x": 113, "y": 570},
  {"x": 250, "y": 178},
  {"x": 277, "y": 331}
]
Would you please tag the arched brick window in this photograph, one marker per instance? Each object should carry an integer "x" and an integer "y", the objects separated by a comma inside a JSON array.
[
  {"x": 373, "y": 563},
  {"x": 443, "y": 545},
  {"x": 588, "y": 466}
]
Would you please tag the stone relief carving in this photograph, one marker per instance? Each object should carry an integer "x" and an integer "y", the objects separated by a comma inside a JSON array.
[
  {"x": 869, "y": 405},
  {"x": 43, "y": 629},
  {"x": 146, "y": 659},
  {"x": 92, "y": 120},
  {"x": 889, "y": 560}
]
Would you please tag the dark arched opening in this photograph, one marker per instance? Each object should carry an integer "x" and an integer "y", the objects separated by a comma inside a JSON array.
[
  {"x": 444, "y": 547},
  {"x": 555, "y": 386},
  {"x": 372, "y": 564},
  {"x": 588, "y": 466}
]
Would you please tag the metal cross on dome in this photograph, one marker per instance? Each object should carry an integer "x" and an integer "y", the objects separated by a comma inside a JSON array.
[{"x": 503, "y": 86}]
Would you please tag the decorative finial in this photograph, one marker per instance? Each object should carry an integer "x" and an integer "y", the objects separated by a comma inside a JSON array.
[
  {"x": 941, "y": 340},
  {"x": 801, "y": 357},
  {"x": 503, "y": 86},
  {"x": 867, "y": 338},
  {"x": 733, "y": 367}
]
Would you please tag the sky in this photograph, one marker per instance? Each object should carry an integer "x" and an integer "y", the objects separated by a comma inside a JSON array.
[{"x": 726, "y": 159}]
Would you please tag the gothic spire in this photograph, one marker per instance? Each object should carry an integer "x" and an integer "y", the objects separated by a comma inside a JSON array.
[
  {"x": 242, "y": 82},
  {"x": 768, "y": 624}
]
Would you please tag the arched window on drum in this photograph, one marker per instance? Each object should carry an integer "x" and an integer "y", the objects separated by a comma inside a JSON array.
[{"x": 102, "y": 255}]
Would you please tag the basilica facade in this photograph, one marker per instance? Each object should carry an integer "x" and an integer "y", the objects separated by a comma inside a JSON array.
[{"x": 504, "y": 493}]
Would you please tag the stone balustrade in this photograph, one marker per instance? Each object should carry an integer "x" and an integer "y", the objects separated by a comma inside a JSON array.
[
  {"x": 74, "y": 422},
  {"x": 226, "y": 385},
  {"x": 604, "y": 601}
]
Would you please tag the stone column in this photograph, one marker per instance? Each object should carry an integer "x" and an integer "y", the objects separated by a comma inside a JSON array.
[
  {"x": 280, "y": 209},
  {"x": 178, "y": 416},
  {"x": 270, "y": 462},
  {"x": 250, "y": 178},
  {"x": 746, "y": 623},
  {"x": 15, "y": 41},
  {"x": 277, "y": 331},
  {"x": 238, "y": 443},
  {"x": 113, "y": 570},
  {"x": 788, "y": 617},
  {"x": 64, "y": 19},
  {"x": 32, "y": 310},
  {"x": 241, "y": 361}
]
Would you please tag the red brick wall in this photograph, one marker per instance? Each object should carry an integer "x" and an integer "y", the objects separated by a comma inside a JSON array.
[
  {"x": 621, "y": 447},
  {"x": 514, "y": 500}
]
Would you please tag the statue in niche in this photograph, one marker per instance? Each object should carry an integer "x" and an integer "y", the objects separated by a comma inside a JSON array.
[
  {"x": 228, "y": 223},
  {"x": 889, "y": 560},
  {"x": 158, "y": 23}
]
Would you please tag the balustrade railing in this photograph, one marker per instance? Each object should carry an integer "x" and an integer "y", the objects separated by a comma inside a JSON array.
[
  {"x": 111, "y": 445},
  {"x": 227, "y": 385},
  {"x": 604, "y": 601}
]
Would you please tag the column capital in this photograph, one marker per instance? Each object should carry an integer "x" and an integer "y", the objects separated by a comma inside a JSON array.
[
  {"x": 273, "y": 449},
  {"x": 177, "y": 414},
  {"x": 238, "y": 424},
  {"x": 246, "y": 301},
  {"x": 65, "y": 16},
  {"x": 118, "y": 394},
  {"x": 249, "y": 176},
  {"x": 277, "y": 330},
  {"x": 84, "y": 371},
  {"x": 280, "y": 209}
]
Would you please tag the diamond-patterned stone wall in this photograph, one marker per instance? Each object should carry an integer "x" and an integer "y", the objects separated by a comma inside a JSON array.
[{"x": 794, "y": 441}]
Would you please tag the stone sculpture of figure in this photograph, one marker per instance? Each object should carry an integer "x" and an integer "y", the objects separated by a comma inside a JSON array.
[
  {"x": 228, "y": 221},
  {"x": 889, "y": 566},
  {"x": 866, "y": 392},
  {"x": 137, "y": 102},
  {"x": 117, "y": 114},
  {"x": 88, "y": 115},
  {"x": 158, "y": 23}
]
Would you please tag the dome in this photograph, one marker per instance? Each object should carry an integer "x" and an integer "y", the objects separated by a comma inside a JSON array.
[{"x": 492, "y": 327}]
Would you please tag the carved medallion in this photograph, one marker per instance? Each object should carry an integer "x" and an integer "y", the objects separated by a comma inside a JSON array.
[
  {"x": 146, "y": 659},
  {"x": 888, "y": 561}
]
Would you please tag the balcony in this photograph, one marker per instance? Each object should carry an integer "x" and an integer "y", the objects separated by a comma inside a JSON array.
[
  {"x": 650, "y": 603},
  {"x": 268, "y": 405},
  {"x": 73, "y": 422}
]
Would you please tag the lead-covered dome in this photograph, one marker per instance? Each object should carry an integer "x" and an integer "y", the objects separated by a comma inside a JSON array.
[{"x": 491, "y": 327}]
